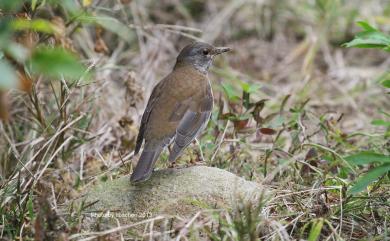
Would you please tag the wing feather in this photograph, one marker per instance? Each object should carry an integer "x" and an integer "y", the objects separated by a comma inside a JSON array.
[
  {"x": 192, "y": 123},
  {"x": 156, "y": 93}
]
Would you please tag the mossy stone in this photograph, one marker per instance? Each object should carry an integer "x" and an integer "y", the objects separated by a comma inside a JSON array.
[{"x": 181, "y": 192}]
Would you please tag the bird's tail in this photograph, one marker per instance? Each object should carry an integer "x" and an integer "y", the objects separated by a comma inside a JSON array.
[
  {"x": 175, "y": 152},
  {"x": 145, "y": 165}
]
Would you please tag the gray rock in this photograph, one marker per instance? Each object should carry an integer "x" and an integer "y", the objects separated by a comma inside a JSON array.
[{"x": 181, "y": 192}]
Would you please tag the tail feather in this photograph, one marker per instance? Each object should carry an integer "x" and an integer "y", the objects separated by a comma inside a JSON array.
[
  {"x": 175, "y": 152},
  {"x": 140, "y": 140},
  {"x": 145, "y": 165}
]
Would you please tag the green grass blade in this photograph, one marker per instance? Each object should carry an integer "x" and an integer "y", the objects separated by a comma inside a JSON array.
[
  {"x": 369, "y": 177},
  {"x": 315, "y": 230},
  {"x": 367, "y": 157}
]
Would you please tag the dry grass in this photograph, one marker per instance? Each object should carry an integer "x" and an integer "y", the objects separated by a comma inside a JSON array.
[{"x": 63, "y": 137}]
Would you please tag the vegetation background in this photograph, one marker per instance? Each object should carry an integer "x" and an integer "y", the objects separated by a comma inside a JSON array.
[{"x": 295, "y": 110}]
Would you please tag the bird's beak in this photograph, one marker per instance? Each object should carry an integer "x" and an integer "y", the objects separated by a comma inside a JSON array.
[{"x": 220, "y": 50}]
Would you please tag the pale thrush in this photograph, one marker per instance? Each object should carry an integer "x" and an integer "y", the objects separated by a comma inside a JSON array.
[{"x": 178, "y": 109}]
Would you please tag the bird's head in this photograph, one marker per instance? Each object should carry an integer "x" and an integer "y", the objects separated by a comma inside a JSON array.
[{"x": 200, "y": 55}]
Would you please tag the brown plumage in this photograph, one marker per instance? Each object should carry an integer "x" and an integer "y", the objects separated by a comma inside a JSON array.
[{"x": 178, "y": 109}]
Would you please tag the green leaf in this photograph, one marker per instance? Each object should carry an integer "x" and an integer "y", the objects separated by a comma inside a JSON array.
[
  {"x": 245, "y": 116},
  {"x": 8, "y": 76},
  {"x": 369, "y": 178},
  {"x": 55, "y": 62},
  {"x": 113, "y": 25},
  {"x": 39, "y": 25},
  {"x": 250, "y": 88},
  {"x": 277, "y": 122},
  {"x": 315, "y": 230},
  {"x": 254, "y": 87},
  {"x": 17, "y": 51},
  {"x": 386, "y": 83},
  {"x": 71, "y": 6},
  {"x": 375, "y": 37},
  {"x": 230, "y": 91},
  {"x": 30, "y": 207},
  {"x": 10, "y": 5},
  {"x": 245, "y": 86},
  {"x": 366, "y": 26},
  {"x": 366, "y": 43},
  {"x": 369, "y": 38},
  {"x": 33, "y": 4},
  {"x": 379, "y": 122},
  {"x": 367, "y": 157},
  {"x": 5, "y": 31}
]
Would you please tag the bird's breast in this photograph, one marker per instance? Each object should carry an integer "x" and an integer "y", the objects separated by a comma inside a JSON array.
[
  {"x": 186, "y": 88},
  {"x": 187, "y": 81}
]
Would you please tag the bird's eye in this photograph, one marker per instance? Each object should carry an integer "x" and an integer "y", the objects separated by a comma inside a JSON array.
[{"x": 205, "y": 51}]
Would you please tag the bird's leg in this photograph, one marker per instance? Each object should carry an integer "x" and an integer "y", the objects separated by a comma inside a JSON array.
[{"x": 201, "y": 160}]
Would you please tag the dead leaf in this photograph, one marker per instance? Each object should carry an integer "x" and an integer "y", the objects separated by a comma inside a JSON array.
[
  {"x": 267, "y": 131},
  {"x": 3, "y": 106},
  {"x": 25, "y": 82},
  {"x": 39, "y": 234},
  {"x": 240, "y": 124},
  {"x": 100, "y": 45},
  {"x": 312, "y": 159},
  {"x": 311, "y": 154},
  {"x": 60, "y": 34},
  {"x": 227, "y": 116}
]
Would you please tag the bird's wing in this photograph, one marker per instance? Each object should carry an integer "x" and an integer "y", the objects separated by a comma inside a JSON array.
[
  {"x": 153, "y": 148},
  {"x": 190, "y": 125},
  {"x": 156, "y": 93}
]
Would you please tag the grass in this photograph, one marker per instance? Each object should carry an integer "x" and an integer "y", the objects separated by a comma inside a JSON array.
[{"x": 290, "y": 105}]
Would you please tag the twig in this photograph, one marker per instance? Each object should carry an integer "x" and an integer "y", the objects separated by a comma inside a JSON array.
[
  {"x": 182, "y": 231},
  {"x": 200, "y": 149},
  {"x": 220, "y": 142},
  {"x": 95, "y": 235}
]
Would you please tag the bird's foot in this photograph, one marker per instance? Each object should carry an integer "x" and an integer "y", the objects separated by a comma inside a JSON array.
[
  {"x": 200, "y": 163},
  {"x": 172, "y": 165}
]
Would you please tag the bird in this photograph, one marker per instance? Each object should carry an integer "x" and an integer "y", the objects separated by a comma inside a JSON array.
[{"x": 178, "y": 108}]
